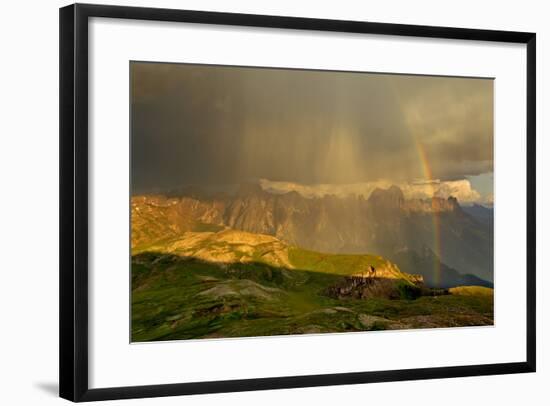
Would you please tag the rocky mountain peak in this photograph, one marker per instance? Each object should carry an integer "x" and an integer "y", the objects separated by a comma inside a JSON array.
[
  {"x": 391, "y": 198},
  {"x": 440, "y": 204}
]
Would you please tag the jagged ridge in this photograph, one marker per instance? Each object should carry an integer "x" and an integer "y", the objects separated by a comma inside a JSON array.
[{"x": 385, "y": 223}]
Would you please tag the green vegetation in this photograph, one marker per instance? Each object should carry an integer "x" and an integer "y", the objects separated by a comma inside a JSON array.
[
  {"x": 471, "y": 291},
  {"x": 408, "y": 291},
  {"x": 235, "y": 284},
  {"x": 337, "y": 264}
]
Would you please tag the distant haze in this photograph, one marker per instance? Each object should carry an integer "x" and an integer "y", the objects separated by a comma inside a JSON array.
[
  {"x": 206, "y": 125},
  {"x": 461, "y": 189}
]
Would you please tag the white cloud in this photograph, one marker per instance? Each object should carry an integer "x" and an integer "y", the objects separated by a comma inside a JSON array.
[{"x": 460, "y": 189}]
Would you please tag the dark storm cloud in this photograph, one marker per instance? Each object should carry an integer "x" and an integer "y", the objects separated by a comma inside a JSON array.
[{"x": 194, "y": 124}]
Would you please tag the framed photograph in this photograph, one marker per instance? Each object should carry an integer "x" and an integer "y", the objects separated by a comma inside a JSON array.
[{"x": 257, "y": 202}]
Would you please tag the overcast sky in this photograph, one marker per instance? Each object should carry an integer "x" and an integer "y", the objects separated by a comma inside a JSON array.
[{"x": 196, "y": 124}]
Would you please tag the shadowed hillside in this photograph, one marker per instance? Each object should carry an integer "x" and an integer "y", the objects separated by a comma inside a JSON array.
[{"x": 233, "y": 284}]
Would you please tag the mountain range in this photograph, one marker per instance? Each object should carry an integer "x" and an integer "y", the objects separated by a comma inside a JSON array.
[{"x": 449, "y": 245}]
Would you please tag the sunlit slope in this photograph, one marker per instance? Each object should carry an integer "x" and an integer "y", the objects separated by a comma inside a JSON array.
[
  {"x": 232, "y": 246},
  {"x": 233, "y": 283},
  {"x": 157, "y": 219}
]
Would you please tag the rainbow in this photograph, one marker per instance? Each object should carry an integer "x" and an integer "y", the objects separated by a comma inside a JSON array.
[{"x": 428, "y": 174}]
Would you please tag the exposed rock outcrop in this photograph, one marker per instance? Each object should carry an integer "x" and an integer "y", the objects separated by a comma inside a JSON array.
[{"x": 386, "y": 223}]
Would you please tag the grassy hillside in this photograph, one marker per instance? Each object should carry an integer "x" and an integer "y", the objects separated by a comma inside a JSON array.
[
  {"x": 233, "y": 284},
  {"x": 471, "y": 291}
]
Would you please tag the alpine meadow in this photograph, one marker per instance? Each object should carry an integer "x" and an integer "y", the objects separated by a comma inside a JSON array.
[{"x": 270, "y": 201}]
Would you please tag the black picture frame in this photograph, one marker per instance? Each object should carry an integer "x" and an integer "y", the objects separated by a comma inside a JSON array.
[{"x": 73, "y": 282}]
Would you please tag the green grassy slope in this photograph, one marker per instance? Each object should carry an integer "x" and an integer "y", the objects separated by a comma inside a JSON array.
[
  {"x": 236, "y": 284},
  {"x": 471, "y": 291}
]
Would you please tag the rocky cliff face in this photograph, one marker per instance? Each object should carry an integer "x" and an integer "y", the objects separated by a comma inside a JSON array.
[
  {"x": 385, "y": 223},
  {"x": 158, "y": 217},
  {"x": 434, "y": 205}
]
